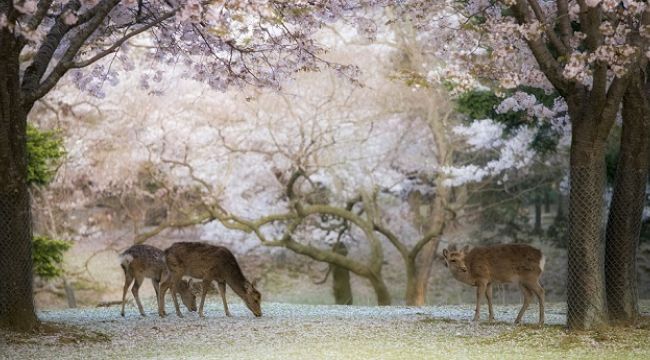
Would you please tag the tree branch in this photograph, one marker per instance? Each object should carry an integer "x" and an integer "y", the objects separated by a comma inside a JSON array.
[
  {"x": 76, "y": 42},
  {"x": 547, "y": 63},
  {"x": 118, "y": 43},
  {"x": 550, "y": 32}
]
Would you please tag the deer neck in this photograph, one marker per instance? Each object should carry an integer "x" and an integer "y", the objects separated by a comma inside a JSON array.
[
  {"x": 238, "y": 284},
  {"x": 463, "y": 276}
]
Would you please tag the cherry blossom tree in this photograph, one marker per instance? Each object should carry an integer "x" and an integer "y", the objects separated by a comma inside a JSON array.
[
  {"x": 222, "y": 43},
  {"x": 594, "y": 55}
]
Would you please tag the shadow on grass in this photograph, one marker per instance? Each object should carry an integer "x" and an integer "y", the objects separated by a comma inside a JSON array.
[{"x": 50, "y": 333}]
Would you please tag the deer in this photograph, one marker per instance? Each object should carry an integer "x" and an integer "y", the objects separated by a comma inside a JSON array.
[
  {"x": 505, "y": 263},
  {"x": 145, "y": 261},
  {"x": 208, "y": 263}
]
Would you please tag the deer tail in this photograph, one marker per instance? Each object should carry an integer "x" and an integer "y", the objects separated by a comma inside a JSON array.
[{"x": 125, "y": 260}]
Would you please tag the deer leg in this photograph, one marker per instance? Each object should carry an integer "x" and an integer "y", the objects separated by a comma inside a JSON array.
[
  {"x": 527, "y": 295},
  {"x": 135, "y": 289},
  {"x": 164, "y": 285},
  {"x": 488, "y": 295},
  {"x": 156, "y": 288},
  {"x": 480, "y": 291},
  {"x": 222, "y": 291},
  {"x": 175, "y": 281},
  {"x": 205, "y": 285},
  {"x": 539, "y": 292},
  {"x": 128, "y": 279}
]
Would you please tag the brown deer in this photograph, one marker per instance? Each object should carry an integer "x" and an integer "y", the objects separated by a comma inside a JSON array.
[
  {"x": 209, "y": 263},
  {"x": 141, "y": 261},
  {"x": 505, "y": 263}
]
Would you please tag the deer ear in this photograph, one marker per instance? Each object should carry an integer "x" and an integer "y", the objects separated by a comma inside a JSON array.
[{"x": 445, "y": 253}]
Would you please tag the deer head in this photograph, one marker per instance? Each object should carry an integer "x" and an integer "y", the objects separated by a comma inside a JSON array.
[
  {"x": 455, "y": 259},
  {"x": 253, "y": 298},
  {"x": 187, "y": 295}
]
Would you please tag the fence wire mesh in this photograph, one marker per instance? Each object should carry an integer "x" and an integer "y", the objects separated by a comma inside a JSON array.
[
  {"x": 602, "y": 249},
  {"x": 16, "y": 298},
  {"x": 585, "y": 282}
]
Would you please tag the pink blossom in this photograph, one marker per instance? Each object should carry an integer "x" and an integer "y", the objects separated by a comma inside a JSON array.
[
  {"x": 27, "y": 7},
  {"x": 70, "y": 18}
]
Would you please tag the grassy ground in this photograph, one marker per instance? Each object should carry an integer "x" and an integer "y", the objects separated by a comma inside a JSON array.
[{"x": 288, "y": 331}]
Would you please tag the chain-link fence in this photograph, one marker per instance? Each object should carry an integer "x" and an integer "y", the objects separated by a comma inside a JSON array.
[
  {"x": 585, "y": 283},
  {"x": 16, "y": 297},
  {"x": 622, "y": 243},
  {"x": 602, "y": 251}
]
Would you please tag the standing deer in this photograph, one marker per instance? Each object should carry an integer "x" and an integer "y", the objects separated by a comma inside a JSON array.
[
  {"x": 209, "y": 263},
  {"x": 506, "y": 263},
  {"x": 140, "y": 261}
]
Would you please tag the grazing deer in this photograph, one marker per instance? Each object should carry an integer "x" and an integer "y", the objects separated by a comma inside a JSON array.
[
  {"x": 506, "y": 263},
  {"x": 209, "y": 263},
  {"x": 140, "y": 261}
]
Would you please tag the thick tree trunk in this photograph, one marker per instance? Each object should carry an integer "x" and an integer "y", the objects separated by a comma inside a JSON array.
[
  {"x": 411, "y": 287},
  {"x": 341, "y": 278},
  {"x": 383, "y": 296},
  {"x": 416, "y": 293},
  {"x": 586, "y": 285},
  {"x": 626, "y": 209},
  {"x": 16, "y": 293},
  {"x": 423, "y": 272}
]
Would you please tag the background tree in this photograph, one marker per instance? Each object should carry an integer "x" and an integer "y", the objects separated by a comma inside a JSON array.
[{"x": 222, "y": 44}]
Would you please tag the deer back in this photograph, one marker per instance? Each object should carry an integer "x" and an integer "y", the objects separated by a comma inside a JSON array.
[
  {"x": 204, "y": 261},
  {"x": 144, "y": 259},
  {"x": 505, "y": 263}
]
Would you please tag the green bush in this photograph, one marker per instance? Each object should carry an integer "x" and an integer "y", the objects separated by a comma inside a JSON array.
[
  {"x": 48, "y": 256},
  {"x": 44, "y": 153}
]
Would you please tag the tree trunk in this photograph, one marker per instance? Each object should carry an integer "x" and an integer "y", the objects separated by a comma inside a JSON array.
[
  {"x": 16, "y": 288},
  {"x": 383, "y": 296},
  {"x": 411, "y": 285},
  {"x": 417, "y": 294},
  {"x": 341, "y": 278},
  {"x": 626, "y": 209},
  {"x": 538, "y": 215},
  {"x": 585, "y": 285}
]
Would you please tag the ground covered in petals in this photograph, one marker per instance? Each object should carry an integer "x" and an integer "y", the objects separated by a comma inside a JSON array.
[{"x": 289, "y": 331}]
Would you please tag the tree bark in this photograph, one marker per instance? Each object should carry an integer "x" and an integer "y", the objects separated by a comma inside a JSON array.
[
  {"x": 383, "y": 295},
  {"x": 585, "y": 285},
  {"x": 538, "y": 214},
  {"x": 416, "y": 293},
  {"x": 16, "y": 288},
  {"x": 341, "y": 278},
  {"x": 626, "y": 209}
]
